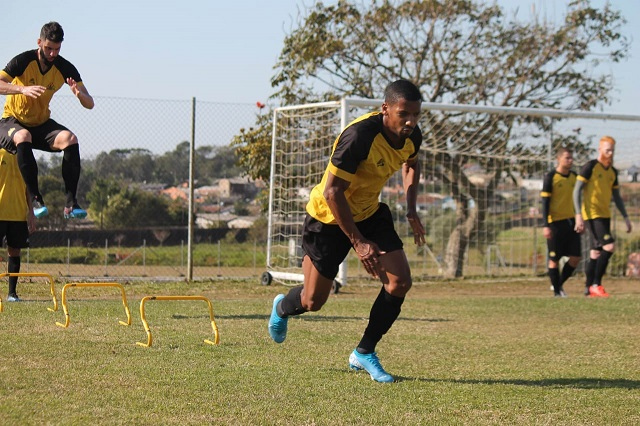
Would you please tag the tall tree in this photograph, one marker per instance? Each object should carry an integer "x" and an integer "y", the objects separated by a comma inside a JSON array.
[{"x": 456, "y": 51}]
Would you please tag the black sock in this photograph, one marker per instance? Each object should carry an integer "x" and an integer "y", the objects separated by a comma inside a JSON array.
[
  {"x": 28, "y": 168},
  {"x": 590, "y": 271},
  {"x": 384, "y": 312},
  {"x": 554, "y": 276},
  {"x": 567, "y": 271},
  {"x": 291, "y": 304},
  {"x": 601, "y": 266},
  {"x": 71, "y": 173},
  {"x": 13, "y": 266}
]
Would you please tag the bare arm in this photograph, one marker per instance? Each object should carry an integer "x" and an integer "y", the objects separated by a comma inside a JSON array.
[
  {"x": 6, "y": 88},
  {"x": 366, "y": 250},
  {"x": 81, "y": 92},
  {"x": 410, "y": 181}
]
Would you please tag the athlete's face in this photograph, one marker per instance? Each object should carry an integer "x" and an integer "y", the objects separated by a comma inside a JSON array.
[
  {"x": 606, "y": 153},
  {"x": 49, "y": 50},
  {"x": 400, "y": 118},
  {"x": 565, "y": 161}
]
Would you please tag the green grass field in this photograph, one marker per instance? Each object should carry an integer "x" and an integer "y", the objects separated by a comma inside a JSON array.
[{"x": 479, "y": 353}]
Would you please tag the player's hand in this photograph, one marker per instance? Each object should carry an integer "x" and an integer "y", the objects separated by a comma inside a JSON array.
[
  {"x": 629, "y": 226},
  {"x": 73, "y": 86},
  {"x": 33, "y": 91},
  {"x": 31, "y": 222},
  {"x": 579, "y": 227},
  {"x": 417, "y": 228},
  {"x": 547, "y": 232},
  {"x": 368, "y": 252}
]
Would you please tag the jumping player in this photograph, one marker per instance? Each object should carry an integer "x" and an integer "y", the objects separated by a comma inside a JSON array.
[
  {"x": 344, "y": 212},
  {"x": 30, "y": 80}
]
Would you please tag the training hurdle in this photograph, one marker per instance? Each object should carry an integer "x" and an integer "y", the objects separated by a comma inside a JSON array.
[
  {"x": 34, "y": 274},
  {"x": 67, "y": 318},
  {"x": 145, "y": 299}
]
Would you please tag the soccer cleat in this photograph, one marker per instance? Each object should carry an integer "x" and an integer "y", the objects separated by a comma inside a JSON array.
[
  {"x": 597, "y": 291},
  {"x": 39, "y": 209},
  {"x": 561, "y": 293},
  {"x": 277, "y": 325},
  {"x": 75, "y": 212},
  {"x": 13, "y": 298},
  {"x": 371, "y": 364}
]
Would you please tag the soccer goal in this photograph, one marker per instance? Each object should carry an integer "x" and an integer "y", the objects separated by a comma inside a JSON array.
[{"x": 482, "y": 170}]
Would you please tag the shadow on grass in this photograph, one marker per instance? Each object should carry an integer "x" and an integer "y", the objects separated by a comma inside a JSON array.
[
  {"x": 310, "y": 317},
  {"x": 570, "y": 383}
]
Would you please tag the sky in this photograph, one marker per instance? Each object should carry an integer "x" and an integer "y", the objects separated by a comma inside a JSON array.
[{"x": 214, "y": 50}]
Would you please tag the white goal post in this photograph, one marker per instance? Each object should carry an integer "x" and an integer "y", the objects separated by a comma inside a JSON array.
[{"x": 482, "y": 170}]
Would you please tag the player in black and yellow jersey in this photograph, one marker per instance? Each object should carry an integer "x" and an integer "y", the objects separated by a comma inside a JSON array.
[
  {"x": 30, "y": 80},
  {"x": 597, "y": 184},
  {"x": 344, "y": 212},
  {"x": 559, "y": 220},
  {"x": 16, "y": 216}
]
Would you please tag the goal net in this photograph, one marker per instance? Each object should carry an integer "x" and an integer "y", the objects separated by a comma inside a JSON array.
[{"x": 479, "y": 195}]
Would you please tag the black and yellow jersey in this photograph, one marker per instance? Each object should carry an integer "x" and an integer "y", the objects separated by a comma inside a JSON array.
[
  {"x": 559, "y": 189},
  {"x": 598, "y": 190},
  {"x": 362, "y": 156},
  {"x": 13, "y": 198},
  {"x": 24, "y": 70}
]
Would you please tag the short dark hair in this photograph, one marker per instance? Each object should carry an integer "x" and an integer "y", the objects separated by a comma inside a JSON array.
[
  {"x": 402, "y": 89},
  {"x": 52, "y": 31},
  {"x": 562, "y": 150}
]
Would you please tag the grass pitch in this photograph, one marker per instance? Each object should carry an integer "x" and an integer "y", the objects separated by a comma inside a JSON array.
[{"x": 464, "y": 353}]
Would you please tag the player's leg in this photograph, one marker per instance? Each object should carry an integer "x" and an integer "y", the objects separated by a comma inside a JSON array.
[
  {"x": 594, "y": 253},
  {"x": 325, "y": 247},
  {"x": 396, "y": 282},
  {"x": 606, "y": 247},
  {"x": 554, "y": 256},
  {"x": 18, "y": 140},
  {"x": 67, "y": 142},
  {"x": 17, "y": 235}
]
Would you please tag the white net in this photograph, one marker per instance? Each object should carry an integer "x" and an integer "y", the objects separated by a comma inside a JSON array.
[{"x": 479, "y": 199}]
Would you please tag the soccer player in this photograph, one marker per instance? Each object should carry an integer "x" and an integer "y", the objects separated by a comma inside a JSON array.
[
  {"x": 344, "y": 212},
  {"x": 30, "y": 80},
  {"x": 16, "y": 216},
  {"x": 559, "y": 222},
  {"x": 597, "y": 184}
]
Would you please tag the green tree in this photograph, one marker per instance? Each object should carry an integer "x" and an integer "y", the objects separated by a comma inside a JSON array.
[
  {"x": 460, "y": 51},
  {"x": 98, "y": 197},
  {"x": 134, "y": 208}
]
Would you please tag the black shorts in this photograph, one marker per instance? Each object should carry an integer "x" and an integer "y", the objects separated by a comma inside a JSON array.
[
  {"x": 564, "y": 241},
  {"x": 15, "y": 233},
  {"x": 599, "y": 231},
  {"x": 42, "y": 136},
  {"x": 327, "y": 246}
]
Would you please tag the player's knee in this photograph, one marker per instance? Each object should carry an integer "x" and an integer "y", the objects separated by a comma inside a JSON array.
[
  {"x": 574, "y": 261},
  {"x": 65, "y": 139},
  {"x": 21, "y": 136},
  {"x": 399, "y": 286},
  {"x": 609, "y": 247}
]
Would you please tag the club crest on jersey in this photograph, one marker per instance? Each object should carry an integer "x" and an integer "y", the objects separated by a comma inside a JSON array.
[{"x": 380, "y": 163}]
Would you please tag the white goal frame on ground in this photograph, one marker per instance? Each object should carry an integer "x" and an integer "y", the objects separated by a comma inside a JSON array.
[{"x": 345, "y": 106}]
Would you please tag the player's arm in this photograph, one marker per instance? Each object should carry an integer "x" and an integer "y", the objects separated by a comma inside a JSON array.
[
  {"x": 80, "y": 91},
  {"x": 366, "y": 250},
  {"x": 577, "y": 205},
  {"x": 6, "y": 88},
  {"x": 410, "y": 182},
  {"x": 617, "y": 199},
  {"x": 545, "y": 195}
]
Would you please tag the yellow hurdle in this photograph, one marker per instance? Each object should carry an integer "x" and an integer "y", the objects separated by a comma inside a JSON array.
[
  {"x": 66, "y": 308},
  {"x": 216, "y": 339},
  {"x": 34, "y": 274}
]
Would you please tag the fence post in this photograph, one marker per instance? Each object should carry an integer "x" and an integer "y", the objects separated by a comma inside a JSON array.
[
  {"x": 106, "y": 256},
  {"x": 68, "y": 256},
  {"x": 144, "y": 257}
]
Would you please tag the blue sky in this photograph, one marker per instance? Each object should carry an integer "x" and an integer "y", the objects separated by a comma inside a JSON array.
[{"x": 217, "y": 51}]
